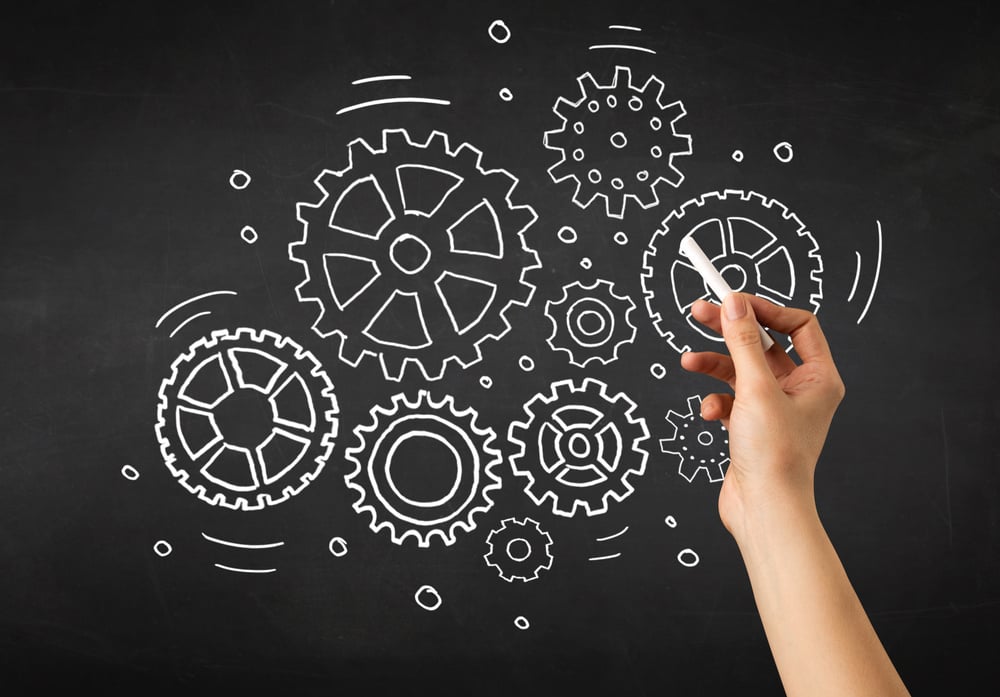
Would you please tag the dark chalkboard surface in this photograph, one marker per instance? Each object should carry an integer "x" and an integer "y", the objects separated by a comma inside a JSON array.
[{"x": 341, "y": 338}]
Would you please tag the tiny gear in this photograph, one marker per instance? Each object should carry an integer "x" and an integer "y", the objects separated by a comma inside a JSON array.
[
  {"x": 519, "y": 550},
  {"x": 579, "y": 448},
  {"x": 414, "y": 254},
  {"x": 423, "y": 469},
  {"x": 246, "y": 418},
  {"x": 590, "y": 323},
  {"x": 618, "y": 142},
  {"x": 758, "y": 245},
  {"x": 701, "y": 446}
]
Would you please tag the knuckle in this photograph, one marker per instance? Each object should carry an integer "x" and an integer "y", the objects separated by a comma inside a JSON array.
[{"x": 741, "y": 337}]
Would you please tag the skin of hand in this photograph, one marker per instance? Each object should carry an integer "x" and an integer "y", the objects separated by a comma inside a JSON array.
[{"x": 823, "y": 642}]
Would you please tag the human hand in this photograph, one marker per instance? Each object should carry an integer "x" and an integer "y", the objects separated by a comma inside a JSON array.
[{"x": 781, "y": 411}]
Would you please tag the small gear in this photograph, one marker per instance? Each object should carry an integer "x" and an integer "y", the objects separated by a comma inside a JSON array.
[
  {"x": 590, "y": 323},
  {"x": 414, "y": 254},
  {"x": 758, "y": 245},
  {"x": 519, "y": 550},
  {"x": 423, "y": 469},
  {"x": 579, "y": 448},
  {"x": 703, "y": 445},
  {"x": 618, "y": 142},
  {"x": 246, "y": 418}
]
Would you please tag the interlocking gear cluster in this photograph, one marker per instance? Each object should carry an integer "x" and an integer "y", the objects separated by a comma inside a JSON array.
[
  {"x": 407, "y": 435},
  {"x": 618, "y": 142},
  {"x": 579, "y": 448},
  {"x": 700, "y": 446},
  {"x": 519, "y": 550},
  {"x": 758, "y": 245},
  {"x": 414, "y": 254},
  {"x": 590, "y": 322},
  {"x": 288, "y": 389}
]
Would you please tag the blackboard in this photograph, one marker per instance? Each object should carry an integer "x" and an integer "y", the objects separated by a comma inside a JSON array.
[{"x": 157, "y": 153}]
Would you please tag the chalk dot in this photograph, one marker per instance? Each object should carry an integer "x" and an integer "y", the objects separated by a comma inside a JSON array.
[
  {"x": 670, "y": 521},
  {"x": 657, "y": 371},
  {"x": 578, "y": 154},
  {"x": 521, "y": 622},
  {"x": 586, "y": 263},
  {"x": 338, "y": 546},
  {"x": 656, "y": 151},
  {"x": 506, "y": 94},
  {"x": 248, "y": 234},
  {"x": 617, "y": 183},
  {"x": 737, "y": 155},
  {"x": 162, "y": 548},
  {"x": 499, "y": 31},
  {"x": 486, "y": 381},
  {"x": 567, "y": 234},
  {"x": 655, "y": 123},
  {"x": 619, "y": 140},
  {"x": 239, "y": 179},
  {"x": 642, "y": 175},
  {"x": 783, "y": 151},
  {"x": 621, "y": 238},
  {"x": 594, "y": 106},
  {"x": 635, "y": 104},
  {"x": 594, "y": 176},
  {"x": 612, "y": 101},
  {"x": 578, "y": 128},
  {"x": 688, "y": 557},
  {"x": 526, "y": 364},
  {"x": 130, "y": 473},
  {"x": 428, "y": 598}
]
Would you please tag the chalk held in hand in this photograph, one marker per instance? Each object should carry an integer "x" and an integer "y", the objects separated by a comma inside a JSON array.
[{"x": 714, "y": 279}]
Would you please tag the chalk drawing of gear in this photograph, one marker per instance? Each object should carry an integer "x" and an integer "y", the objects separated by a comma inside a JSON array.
[
  {"x": 246, "y": 418},
  {"x": 423, "y": 469},
  {"x": 590, "y": 323},
  {"x": 414, "y": 253},
  {"x": 757, "y": 244},
  {"x": 579, "y": 448},
  {"x": 519, "y": 550},
  {"x": 700, "y": 446},
  {"x": 618, "y": 142}
]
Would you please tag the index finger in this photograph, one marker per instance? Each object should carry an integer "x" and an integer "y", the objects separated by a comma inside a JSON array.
[{"x": 801, "y": 325}]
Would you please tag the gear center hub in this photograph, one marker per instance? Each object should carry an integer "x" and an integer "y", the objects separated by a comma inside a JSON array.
[
  {"x": 423, "y": 469},
  {"x": 244, "y": 418},
  {"x": 578, "y": 445},
  {"x": 409, "y": 253},
  {"x": 735, "y": 275}
]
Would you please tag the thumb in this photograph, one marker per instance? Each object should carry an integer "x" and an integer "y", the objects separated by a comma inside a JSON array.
[{"x": 742, "y": 334}]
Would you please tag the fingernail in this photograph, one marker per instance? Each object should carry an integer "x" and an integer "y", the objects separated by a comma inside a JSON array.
[{"x": 735, "y": 305}]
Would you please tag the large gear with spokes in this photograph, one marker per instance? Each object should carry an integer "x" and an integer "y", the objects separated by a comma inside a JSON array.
[
  {"x": 414, "y": 253},
  {"x": 246, "y": 418},
  {"x": 579, "y": 448},
  {"x": 424, "y": 469},
  {"x": 758, "y": 245},
  {"x": 618, "y": 141}
]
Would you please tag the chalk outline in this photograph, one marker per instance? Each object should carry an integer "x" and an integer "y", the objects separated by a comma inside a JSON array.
[
  {"x": 618, "y": 307},
  {"x": 189, "y": 301},
  {"x": 539, "y": 555},
  {"x": 240, "y": 545},
  {"x": 690, "y": 465},
  {"x": 878, "y": 269}
]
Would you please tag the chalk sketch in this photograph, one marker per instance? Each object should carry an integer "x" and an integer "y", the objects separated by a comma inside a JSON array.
[
  {"x": 580, "y": 448},
  {"x": 428, "y": 598},
  {"x": 185, "y": 303},
  {"x": 590, "y": 322},
  {"x": 338, "y": 546},
  {"x": 248, "y": 234},
  {"x": 521, "y": 622},
  {"x": 601, "y": 162},
  {"x": 519, "y": 550},
  {"x": 783, "y": 152},
  {"x": 688, "y": 557},
  {"x": 239, "y": 179},
  {"x": 396, "y": 442},
  {"x": 607, "y": 538},
  {"x": 620, "y": 46},
  {"x": 700, "y": 446},
  {"x": 737, "y": 156},
  {"x": 130, "y": 473},
  {"x": 162, "y": 548},
  {"x": 878, "y": 270},
  {"x": 670, "y": 521},
  {"x": 244, "y": 546},
  {"x": 526, "y": 363},
  {"x": 758, "y": 245},
  {"x": 658, "y": 371},
  {"x": 246, "y": 418},
  {"x": 414, "y": 254}
]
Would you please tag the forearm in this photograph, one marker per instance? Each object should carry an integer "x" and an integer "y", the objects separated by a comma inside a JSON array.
[{"x": 822, "y": 641}]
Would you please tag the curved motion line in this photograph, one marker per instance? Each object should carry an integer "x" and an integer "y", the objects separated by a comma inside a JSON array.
[
  {"x": 611, "y": 537},
  {"x": 610, "y": 556},
  {"x": 627, "y": 47},
  {"x": 379, "y": 78},
  {"x": 189, "y": 301},
  {"x": 878, "y": 269},
  {"x": 857, "y": 276},
  {"x": 244, "y": 571},
  {"x": 267, "y": 545},
  {"x": 188, "y": 321},
  {"x": 626, "y": 27},
  {"x": 394, "y": 100}
]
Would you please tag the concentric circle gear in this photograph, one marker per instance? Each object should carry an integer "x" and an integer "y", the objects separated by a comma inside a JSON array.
[
  {"x": 519, "y": 550},
  {"x": 758, "y": 245},
  {"x": 590, "y": 323},
  {"x": 414, "y": 254},
  {"x": 618, "y": 142},
  {"x": 246, "y": 418},
  {"x": 579, "y": 448},
  {"x": 701, "y": 446},
  {"x": 423, "y": 469}
]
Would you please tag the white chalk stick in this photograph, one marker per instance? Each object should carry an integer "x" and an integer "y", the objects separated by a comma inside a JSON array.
[{"x": 714, "y": 279}]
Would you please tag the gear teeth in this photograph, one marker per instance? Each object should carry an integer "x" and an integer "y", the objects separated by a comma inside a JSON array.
[
  {"x": 622, "y": 78},
  {"x": 587, "y": 85}
]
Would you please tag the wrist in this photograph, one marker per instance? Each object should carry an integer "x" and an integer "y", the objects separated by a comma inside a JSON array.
[{"x": 770, "y": 515}]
